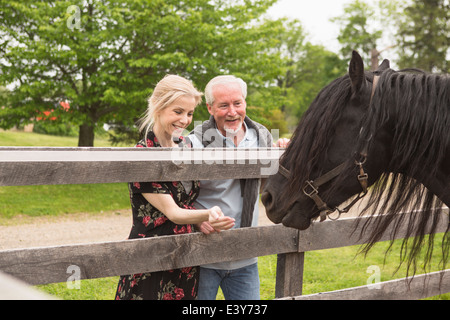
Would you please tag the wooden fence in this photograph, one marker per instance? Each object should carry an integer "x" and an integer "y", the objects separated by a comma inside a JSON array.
[{"x": 36, "y": 166}]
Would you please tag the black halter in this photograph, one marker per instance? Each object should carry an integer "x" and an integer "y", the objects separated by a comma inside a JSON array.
[{"x": 311, "y": 188}]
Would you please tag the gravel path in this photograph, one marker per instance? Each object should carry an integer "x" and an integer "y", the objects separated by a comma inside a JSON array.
[{"x": 26, "y": 232}]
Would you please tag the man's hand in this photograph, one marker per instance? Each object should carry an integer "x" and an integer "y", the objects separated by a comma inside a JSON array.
[
  {"x": 205, "y": 227},
  {"x": 282, "y": 143}
]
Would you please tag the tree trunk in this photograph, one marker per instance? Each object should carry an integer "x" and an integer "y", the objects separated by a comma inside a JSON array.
[
  {"x": 374, "y": 58},
  {"x": 86, "y": 136}
]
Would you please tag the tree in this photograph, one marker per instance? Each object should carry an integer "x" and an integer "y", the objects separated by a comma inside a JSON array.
[
  {"x": 104, "y": 57},
  {"x": 356, "y": 32},
  {"x": 363, "y": 27},
  {"x": 307, "y": 68},
  {"x": 424, "y": 36}
]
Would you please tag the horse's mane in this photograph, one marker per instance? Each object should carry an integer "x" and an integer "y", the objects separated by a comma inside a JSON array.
[
  {"x": 421, "y": 103},
  {"x": 309, "y": 143}
]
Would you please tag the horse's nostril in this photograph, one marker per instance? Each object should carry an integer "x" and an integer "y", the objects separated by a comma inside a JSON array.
[{"x": 266, "y": 199}]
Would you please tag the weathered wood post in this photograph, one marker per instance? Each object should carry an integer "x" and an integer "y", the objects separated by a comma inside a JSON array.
[{"x": 289, "y": 281}]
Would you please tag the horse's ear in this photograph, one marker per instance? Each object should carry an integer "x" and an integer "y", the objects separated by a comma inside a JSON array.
[
  {"x": 356, "y": 72},
  {"x": 384, "y": 65}
]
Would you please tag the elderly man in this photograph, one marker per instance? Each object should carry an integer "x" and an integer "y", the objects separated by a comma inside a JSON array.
[{"x": 229, "y": 127}]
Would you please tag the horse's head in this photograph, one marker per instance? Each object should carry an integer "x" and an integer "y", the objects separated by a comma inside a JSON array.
[{"x": 326, "y": 162}]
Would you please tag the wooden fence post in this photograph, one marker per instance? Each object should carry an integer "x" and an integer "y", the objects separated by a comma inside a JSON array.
[{"x": 289, "y": 281}]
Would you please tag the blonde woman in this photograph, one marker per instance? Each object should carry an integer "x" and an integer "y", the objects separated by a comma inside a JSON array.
[{"x": 165, "y": 208}]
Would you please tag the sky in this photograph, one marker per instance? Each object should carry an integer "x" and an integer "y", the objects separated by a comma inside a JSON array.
[{"x": 315, "y": 16}]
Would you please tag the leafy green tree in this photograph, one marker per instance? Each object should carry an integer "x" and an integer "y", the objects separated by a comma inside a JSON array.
[
  {"x": 424, "y": 36},
  {"x": 366, "y": 27},
  {"x": 104, "y": 57},
  {"x": 307, "y": 69},
  {"x": 356, "y": 32}
]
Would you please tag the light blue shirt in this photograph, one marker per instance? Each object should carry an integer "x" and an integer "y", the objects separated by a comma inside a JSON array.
[{"x": 226, "y": 194}]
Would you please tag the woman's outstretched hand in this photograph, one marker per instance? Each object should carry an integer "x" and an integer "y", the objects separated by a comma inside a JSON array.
[{"x": 217, "y": 222}]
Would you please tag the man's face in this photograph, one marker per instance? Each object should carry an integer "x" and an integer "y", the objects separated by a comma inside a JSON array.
[{"x": 228, "y": 109}]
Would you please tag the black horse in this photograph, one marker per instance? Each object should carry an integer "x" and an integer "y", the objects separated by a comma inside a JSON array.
[{"x": 385, "y": 127}]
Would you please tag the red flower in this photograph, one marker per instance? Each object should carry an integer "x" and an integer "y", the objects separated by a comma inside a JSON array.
[
  {"x": 150, "y": 143},
  {"x": 137, "y": 185},
  {"x": 167, "y": 296},
  {"x": 186, "y": 270},
  {"x": 179, "y": 293},
  {"x": 146, "y": 220},
  {"x": 180, "y": 231},
  {"x": 160, "y": 221},
  {"x": 193, "y": 293},
  {"x": 156, "y": 185}
]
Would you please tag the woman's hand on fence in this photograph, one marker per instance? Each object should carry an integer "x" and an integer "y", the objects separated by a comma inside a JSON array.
[{"x": 218, "y": 221}]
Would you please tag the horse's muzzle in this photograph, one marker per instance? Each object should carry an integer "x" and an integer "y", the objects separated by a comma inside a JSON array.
[{"x": 267, "y": 200}]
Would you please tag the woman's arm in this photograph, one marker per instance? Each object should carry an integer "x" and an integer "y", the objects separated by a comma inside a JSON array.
[{"x": 166, "y": 204}]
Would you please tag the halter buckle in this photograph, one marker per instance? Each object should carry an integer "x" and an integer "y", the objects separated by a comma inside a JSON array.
[
  {"x": 364, "y": 176},
  {"x": 314, "y": 190}
]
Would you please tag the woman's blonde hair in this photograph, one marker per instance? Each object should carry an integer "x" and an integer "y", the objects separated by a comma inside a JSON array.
[{"x": 168, "y": 89}]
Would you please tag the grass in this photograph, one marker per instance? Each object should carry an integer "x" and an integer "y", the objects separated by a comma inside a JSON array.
[
  {"x": 325, "y": 270},
  {"x": 28, "y": 139},
  {"x": 62, "y": 199}
]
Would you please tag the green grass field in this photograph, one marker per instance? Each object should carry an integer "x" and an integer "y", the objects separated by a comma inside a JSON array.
[
  {"x": 325, "y": 270},
  {"x": 28, "y": 139}
]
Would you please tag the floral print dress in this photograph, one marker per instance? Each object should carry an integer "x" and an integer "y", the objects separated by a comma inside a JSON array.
[{"x": 148, "y": 221}]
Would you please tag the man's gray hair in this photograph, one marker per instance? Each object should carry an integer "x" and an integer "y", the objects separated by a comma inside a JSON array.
[{"x": 226, "y": 79}]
